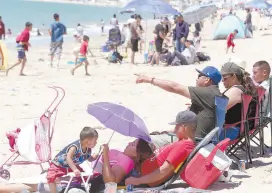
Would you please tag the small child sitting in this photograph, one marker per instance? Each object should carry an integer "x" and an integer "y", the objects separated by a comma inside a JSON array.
[
  {"x": 74, "y": 154},
  {"x": 230, "y": 42}
]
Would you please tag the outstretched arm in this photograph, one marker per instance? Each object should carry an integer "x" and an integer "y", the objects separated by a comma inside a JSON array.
[{"x": 167, "y": 85}]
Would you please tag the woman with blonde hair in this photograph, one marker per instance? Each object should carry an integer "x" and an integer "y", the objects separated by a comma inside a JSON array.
[{"x": 236, "y": 81}]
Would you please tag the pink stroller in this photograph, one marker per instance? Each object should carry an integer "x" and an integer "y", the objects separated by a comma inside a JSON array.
[{"x": 33, "y": 142}]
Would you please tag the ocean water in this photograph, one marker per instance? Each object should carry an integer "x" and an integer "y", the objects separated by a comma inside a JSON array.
[{"x": 16, "y": 13}]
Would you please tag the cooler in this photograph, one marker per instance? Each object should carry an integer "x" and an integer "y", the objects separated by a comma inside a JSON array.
[{"x": 207, "y": 165}]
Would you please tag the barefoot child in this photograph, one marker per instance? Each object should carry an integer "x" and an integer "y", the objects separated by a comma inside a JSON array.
[
  {"x": 82, "y": 58},
  {"x": 74, "y": 154},
  {"x": 22, "y": 46},
  {"x": 230, "y": 42}
]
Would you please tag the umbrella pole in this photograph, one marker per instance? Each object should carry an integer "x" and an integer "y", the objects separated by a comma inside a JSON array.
[{"x": 101, "y": 150}]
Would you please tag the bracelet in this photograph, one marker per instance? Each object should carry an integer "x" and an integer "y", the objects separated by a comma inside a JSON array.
[{"x": 152, "y": 81}]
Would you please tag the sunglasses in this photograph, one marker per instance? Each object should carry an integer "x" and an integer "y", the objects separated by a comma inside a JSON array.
[
  {"x": 200, "y": 75},
  {"x": 224, "y": 78}
]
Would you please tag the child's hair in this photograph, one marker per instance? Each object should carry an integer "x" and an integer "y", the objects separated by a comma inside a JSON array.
[
  {"x": 28, "y": 24},
  {"x": 85, "y": 38},
  {"x": 236, "y": 31},
  {"x": 190, "y": 41},
  {"x": 88, "y": 132}
]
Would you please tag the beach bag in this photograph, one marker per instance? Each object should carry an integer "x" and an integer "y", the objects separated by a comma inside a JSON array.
[
  {"x": 207, "y": 165},
  {"x": 202, "y": 56}
]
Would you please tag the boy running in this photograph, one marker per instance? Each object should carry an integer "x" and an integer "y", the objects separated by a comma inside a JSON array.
[
  {"x": 82, "y": 58},
  {"x": 74, "y": 154},
  {"x": 230, "y": 42},
  {"x": 22, "y": 46}
]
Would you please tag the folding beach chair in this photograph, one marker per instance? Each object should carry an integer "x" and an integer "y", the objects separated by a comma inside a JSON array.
[
  {"x": 33, "y": 142},
  {"x": 235, "y": 144},
  {"x": 221, "y": 103},
  {"x": 206, "y": 140}
]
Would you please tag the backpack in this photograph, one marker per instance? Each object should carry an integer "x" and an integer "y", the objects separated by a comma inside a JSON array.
[
  {"x": 202, "y": 56},
  {"x": 115, "y": 57}
]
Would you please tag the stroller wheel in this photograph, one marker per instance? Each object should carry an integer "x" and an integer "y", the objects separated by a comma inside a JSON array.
[{"x": 5, "y": 174}]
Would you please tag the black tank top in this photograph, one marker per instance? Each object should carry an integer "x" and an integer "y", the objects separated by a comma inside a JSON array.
[{"x": 233, "y": 115}]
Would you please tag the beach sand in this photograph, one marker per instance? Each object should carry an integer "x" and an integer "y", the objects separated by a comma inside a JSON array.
[{"x": 25, "y": 98}]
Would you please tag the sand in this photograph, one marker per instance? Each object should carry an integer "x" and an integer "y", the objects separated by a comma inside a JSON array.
[{"x": 25, "y": 98}]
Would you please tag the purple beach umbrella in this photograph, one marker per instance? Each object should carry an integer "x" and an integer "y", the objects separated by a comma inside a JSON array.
[{"x": 119, "y": 119}]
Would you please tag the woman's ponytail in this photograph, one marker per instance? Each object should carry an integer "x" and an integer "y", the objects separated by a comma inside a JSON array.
[{"x": 248, "y": 84}]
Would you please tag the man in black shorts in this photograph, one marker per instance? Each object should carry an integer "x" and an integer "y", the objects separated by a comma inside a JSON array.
[
  {"x": 160, "y": 35},
  {"x": 135, "y": 36}
]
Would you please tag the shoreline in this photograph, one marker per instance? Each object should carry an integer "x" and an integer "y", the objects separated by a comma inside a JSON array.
[{"x": 106, "y": 3}]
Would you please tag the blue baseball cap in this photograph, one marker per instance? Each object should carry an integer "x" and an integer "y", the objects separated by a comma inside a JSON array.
[{"x": 212, "y": 73}]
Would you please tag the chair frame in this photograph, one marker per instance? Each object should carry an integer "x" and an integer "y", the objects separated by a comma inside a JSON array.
[{"x": 244, "y": 134}]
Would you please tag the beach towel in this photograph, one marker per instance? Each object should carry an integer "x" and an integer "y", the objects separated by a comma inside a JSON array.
[{"x": 26, "y": 143}]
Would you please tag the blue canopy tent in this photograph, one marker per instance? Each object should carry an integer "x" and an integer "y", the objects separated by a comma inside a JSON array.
[
  {"x": 196, "y": 13},
  {"x": 227, "y": 25},
  {"x": 258, "y": 4}
]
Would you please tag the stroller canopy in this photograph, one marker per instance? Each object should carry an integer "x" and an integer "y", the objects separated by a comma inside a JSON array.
[{"x": 227, "y": 25}]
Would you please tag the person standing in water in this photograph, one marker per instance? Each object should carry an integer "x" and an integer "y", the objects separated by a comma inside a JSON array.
[
  {"x": 22, "y": 46},
  {"x": 56, "y": 32},
  {"x": 102, "y": 25}
]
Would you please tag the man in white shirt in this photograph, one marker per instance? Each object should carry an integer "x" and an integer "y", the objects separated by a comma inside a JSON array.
[
  {"x": 114, "y": 21},
  {"x": 261, "y": 74},
  {"x": 189, "y": 52},
  {"x": 80, "y": 30}
]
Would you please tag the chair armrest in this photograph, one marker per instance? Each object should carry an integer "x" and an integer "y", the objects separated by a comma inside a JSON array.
[{"x": 226, "y": 126}]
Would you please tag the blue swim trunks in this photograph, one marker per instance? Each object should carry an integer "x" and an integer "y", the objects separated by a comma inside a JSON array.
[
  {"x": 21, "y": 51},
  {"x": 80, "y": 60}
]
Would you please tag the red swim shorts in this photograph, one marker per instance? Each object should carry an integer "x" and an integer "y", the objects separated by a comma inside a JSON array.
[
  {"x": 55, "y": 172},
  {"x": 229, "y": 44}
]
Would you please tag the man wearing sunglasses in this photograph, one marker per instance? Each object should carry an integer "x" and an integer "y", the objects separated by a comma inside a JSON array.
[{"x": 202, "y": 96}]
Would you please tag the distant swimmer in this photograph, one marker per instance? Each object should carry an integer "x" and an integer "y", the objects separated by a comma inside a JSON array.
[
  {"x": 38, "y": 33},
  {"x": 9, "y": 32},
  {"x": 102, "y": 25},
  {"x": 114, "y": 21},
  {"x": 80, "y": 30}
]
